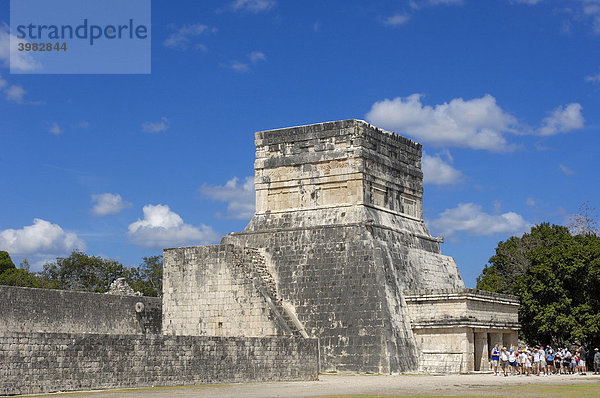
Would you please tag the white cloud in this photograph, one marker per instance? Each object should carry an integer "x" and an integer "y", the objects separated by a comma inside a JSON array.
[
  {"x": 238, "y": 66},
  {"x": 183, "y": 36},
  {"x": 469, "y": 218},
  {"x": 55, "y": 129},
  {"x": 593, "y": 78},
  {"x": 396, "y": 20},
  {"x": 566, "y": 170},
  {"x": 416, "y": 4},
  {"x": 253, "y": 6},
  {"x": 531, "y": 2},
  {"x": 578, "y": 9},
  {"x": 161, "y": 228},
  {"x": 10, "y": 57},
  {"x": 42, "y": 239},
  {"x": 156, "y": 127},
  {"x": 239, "y": 197},
  {"x": 478, "y": 123},
  {"x": 439, "y": 171},
  {"x": 108, "y": 203},
  {"x": 15, "y": 93},
  {"x": 256, "y": 56},
  {"x": 562, "y": 119},
  {"x": 531, "y": 202}
]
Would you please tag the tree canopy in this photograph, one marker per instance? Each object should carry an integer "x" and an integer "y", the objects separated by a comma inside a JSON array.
[
  {"x": 5, "y": 262},
  {"x": 83, "y": 272},
  {"x": 557, "y": 277}
]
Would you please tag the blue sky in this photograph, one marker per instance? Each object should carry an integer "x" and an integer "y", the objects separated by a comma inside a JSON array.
[{"x": 503, "y": 95}]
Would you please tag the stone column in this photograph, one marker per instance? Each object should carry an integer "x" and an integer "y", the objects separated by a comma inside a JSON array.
[
  {"x": 481, "y": 351},
  {"x": 468, "y": 355}
]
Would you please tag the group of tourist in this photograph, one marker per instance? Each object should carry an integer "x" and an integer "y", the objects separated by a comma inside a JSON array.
[{"x": 542, "y": 361}]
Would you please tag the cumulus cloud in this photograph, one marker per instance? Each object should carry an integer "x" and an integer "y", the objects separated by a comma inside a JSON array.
[
  {"x": 593, "y": 78},
  {"x": 562, "y": 119},
  {"x": 12, "y": 92},
  {"x": 566, "y": 170},
  {"x": 531, "y": 2},
  {"x": 238, "y": 66},
  {"x": 18, "y": 61},
  {"x": 162, "y": 228},
  {"x": 256, "y": 56},
  {"x": 396, "y": 20},
  {"x": 478, "y": 123},
  {"x": 15, "y": 93},
  {"x": 41, "y": 239},
  {"x": 416, "y": 4},
  {"x": 591, "y": 9},
  {"x": 184, "y": 36},
  {"x": 55, "y": 129},
  {"x": 108, "y": 203},
  {"x": 156, "y": 127},
  {"x": 253, "y": 58},
  {"x": 253, "y": 6},
  {"x": 238, "y": 196},
  {"x": 471, "y": 219},
  {"x": 439, "y": 171}
]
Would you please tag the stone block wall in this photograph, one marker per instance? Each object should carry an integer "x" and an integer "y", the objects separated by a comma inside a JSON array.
[
  {"x": 344, "y": 291},
  {"x": 336, "y": 163},
  {"x": 25, "y": 309},
  {"x": 45, "y": 362},
  {"x": 454, "y": 328},
  {"x": 466, "y": 306},
  {"x": 445, "y": 350},
  {"x": 210, "y": 290}
]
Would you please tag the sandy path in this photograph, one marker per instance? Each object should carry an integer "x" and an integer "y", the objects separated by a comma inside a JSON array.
[{"x": 330, "y": 385}]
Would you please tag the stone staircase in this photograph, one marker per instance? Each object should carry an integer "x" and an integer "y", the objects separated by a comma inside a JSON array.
[{"x": 253, "y": 266}]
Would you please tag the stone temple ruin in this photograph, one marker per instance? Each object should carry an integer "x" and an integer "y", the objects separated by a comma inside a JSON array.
[
  {"x": 336, "y": 271},
  {"x": 338, "y": 250}
]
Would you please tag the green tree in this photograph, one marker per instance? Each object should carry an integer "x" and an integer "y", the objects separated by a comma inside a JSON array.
[
  {"x": 147, "y": 278},
  {"x": 23, "y": 278},
  {"x": 5, "y": 262},
  {"x": 557, "y": 277},
  {"x": 25, "y": 265},
  {"x": 511, "y": 260},
  {"x": 82, "y": 272}
]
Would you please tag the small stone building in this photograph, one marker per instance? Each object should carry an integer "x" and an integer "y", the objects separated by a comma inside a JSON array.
[
  {"x": 456, "y": 329},
  {"x": 338, "y": 250}
]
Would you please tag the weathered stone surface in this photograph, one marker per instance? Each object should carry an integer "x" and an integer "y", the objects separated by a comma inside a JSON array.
[
  {"x": 339, "y": 222},
  {"x": 120, "y": 287},
  {"x": 45, "y": 362},
  {"x": 25, "y": 309},
  {"x": 211, "y": 290},
  {"x": 454, "y": 328}
]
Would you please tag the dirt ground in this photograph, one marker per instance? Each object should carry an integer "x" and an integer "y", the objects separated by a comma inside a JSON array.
[{"x": 354, "y": 385}]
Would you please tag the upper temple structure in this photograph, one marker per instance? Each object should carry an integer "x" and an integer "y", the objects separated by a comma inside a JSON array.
[{"x": 338, "y": 250}]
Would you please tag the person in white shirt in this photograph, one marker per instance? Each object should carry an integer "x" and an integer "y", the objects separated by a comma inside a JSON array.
[
  {"x": 536, "y": 361},
  {"x": 521, "y": 360},
  {"x": 504, "y": 360},
  {"x": 512, "y": 361},
  {"x": 543, "y": 364}
]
